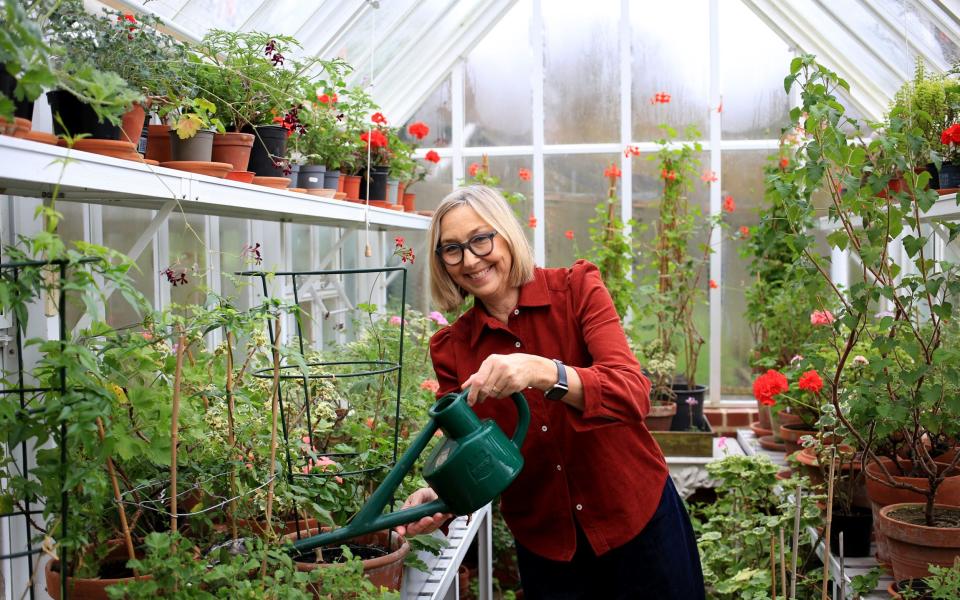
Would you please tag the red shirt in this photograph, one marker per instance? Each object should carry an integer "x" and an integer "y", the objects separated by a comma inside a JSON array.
[{"x": 600, "y": 466}]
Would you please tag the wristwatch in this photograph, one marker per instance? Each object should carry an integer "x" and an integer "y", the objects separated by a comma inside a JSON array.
[{"x": 560, "y": 388}]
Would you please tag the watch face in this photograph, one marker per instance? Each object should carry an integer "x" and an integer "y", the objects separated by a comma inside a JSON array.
[{"x": 555, "y": 393}]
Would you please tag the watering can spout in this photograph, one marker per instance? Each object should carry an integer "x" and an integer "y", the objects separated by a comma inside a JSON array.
[{"x": 472, "y": 466}]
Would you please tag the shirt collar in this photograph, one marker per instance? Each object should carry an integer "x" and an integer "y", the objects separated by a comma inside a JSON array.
[{"x": 532, "y": 293}]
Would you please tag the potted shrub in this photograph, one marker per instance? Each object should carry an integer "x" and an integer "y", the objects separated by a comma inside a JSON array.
[
  {"x": 193, "y": 125},
  {"x": 903, "y": 398}
]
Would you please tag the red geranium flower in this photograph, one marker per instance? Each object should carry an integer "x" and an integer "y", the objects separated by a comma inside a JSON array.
[
  {"x": 374, "y": 138},
  {"x": 744, "y": 231},
  {"x": 631, "y": 151},
  {"x": 671, "y": 175},
  {"x": 569, "y": 234},
  {"x": 660, "y": 98},
  {"x": 784, "y": 162},
  {"x": 768, "y": 385},
  {"x": 473, "y": 169},
  {"x": 327, "y": 98},
  {"x": 524, "y": 174},
  {"x": 418, "y": 130},
  {"x": 378, "y": 118},
  {"x": 713, "y": 285},
  {"x": 612, "y": 171},
  {"x": 951, "y": 135},
  {"x": 811, "y": 382},
  {"x": 432, "y": 156},
  {"x": 128, "y": 17},
  {"x": 729, "y": 205},
  {"x": 532, "y": 222}
]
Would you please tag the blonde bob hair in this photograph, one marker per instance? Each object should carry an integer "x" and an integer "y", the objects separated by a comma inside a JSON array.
[{"x": 492, "y": 208}]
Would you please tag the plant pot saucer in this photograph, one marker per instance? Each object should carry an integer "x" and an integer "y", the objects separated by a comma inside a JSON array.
[
  {"x": 279, "y": 183},
  {"x": 397, "y": 207},
  {"x": 322, "y": 192},
  {"x": 770, "y": 442},
  {"x": 339, "y": 195},
  {"x": 19, "y": 128},
  {"x": 114, "y": 148},
  {"x": 945, "y": 191},
  {"x": 298, "y": 190},
  {"x": 759, "y": 431},
  {"x": 42, "y": 137},
  {"x": 783, "y": 474},
  {"x": 213, "y": 169},
  {"x": 241, "y": 176}
]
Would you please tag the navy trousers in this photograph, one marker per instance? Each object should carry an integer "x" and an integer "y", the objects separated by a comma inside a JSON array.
[{"x": 661, "y": 563}]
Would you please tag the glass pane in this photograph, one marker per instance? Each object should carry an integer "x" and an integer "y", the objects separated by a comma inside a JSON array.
[
  {"x": 436, "y": 113},
  {"x": 755, "y": 106},
  {"x": 233, "y": 236},
  {"x": 355, "y": 46},
  {"x": 666, "y": 60},
  {"x": 70, "y": 229},
  {"x": 581, "y": 99},
  {"x": 492, "y": 91},
  {"x": 437, "y": 184},
  {"x": 121, "y": 228},
  {"x": 164, "y": 8},
  {"x": 202, "y": 15},
  {"x": 507, "y": 169},
  {"x": 574, "y": 186},
  {"x": 188, "y": 254},
  {"x": 926, "y": 35}
]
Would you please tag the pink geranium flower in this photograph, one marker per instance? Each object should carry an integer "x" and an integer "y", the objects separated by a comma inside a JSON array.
[
  {"x": 438, "y": 318},
  {"x": 821, "y": 317}
]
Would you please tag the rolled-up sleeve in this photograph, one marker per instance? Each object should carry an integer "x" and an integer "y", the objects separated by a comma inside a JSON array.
[{"x": 614, "y": 388}]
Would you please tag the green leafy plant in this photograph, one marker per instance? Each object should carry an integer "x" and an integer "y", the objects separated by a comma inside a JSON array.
[
  {"x": 193, "y": 115},
  {"x": 23, "y": 53},
  {"x": 611, "y": 250},
  {"x": 931, "y": 103}
]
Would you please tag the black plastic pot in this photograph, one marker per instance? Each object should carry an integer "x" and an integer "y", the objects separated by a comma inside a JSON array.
[
  {"x": 331, "y": 179},
  {"x": 78, "y": 117},
  {"x": 856, "y": 528},
  {"x": 378, "y": 184},
  {"x": 686, "y": 410},
  {"x": 269, "y": 147},
  {"x": 311, "y": 177},
  {"x": 21, "y": 108},
  {"x": 949, "y": 176},
  {"x": 934, "y": 176}
]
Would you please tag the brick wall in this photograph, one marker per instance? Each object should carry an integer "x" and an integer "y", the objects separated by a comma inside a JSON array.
[{"x": 727, "y": 421}]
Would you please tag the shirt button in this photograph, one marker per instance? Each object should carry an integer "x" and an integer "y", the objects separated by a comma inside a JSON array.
[
  {"x": 543, "y": 428},
  {"x": 579, "y": 507},
  {"x": 516, "y": 311},
  {"x": 558, "y": 467},
  {"x": 517, "y": 344}
]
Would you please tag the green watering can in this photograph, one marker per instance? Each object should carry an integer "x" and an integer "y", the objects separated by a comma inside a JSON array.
[{"x": 475, "y": 463}]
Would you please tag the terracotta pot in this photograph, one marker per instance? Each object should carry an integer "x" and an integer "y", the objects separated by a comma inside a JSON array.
[
  {"x": 87, "y": 589},
  {"x": 811, "y": 464},
  {"x": 279, "y": 183},
  {"x": 785, "y": 418},
  {"x": 409, "y": 201},
  {"x": 233, "y": 148},
  {"x": 660, "y": 416},
  {"x": 764, "y": 412},
  {"x": 948, "y": 456},
  {"x": 18, "y": 128},
  {"x": 881, "y": 494},
  {"x": 914, "y": 547},
  {"x": 241, "y": 176},
  {"x": 351, "y": 186},
  {"x": 791, "y": 434},
  {"x": 212, "y": 169},
  {"x": 158, "y": 143},
  {"x": 41, "y": 137},
  {"x": 341, "y": 181},
  {"x": 114, "y": 148},
  {"x": 400, "y": 187},
  {"x": 132, "y": 124},
  {"x": 386, "y": 571},
  {"x": 259, "y": 526}
]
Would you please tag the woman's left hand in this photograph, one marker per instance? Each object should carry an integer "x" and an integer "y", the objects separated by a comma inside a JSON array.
[{"x": 501, "y": 375}]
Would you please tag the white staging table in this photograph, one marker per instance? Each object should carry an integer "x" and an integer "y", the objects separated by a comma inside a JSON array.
[
  {"x": 690, "y": 472},
  {"x": 852, "y": 567}
]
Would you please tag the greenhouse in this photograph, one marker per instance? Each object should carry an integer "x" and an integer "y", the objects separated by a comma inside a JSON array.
[{"x": 479, "y": 299}]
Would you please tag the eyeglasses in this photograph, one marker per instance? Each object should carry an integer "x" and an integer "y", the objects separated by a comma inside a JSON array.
[{"x": 480, "y": 245}]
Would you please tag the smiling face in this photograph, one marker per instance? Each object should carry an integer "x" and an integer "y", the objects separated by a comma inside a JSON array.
[{"x": 485, "y": 277}]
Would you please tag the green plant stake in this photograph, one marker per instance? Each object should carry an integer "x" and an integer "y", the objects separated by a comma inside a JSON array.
[{"x": 472, "y": 466}]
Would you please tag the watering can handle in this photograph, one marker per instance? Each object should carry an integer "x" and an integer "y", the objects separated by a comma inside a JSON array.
[{"x": 523, "y": 419}]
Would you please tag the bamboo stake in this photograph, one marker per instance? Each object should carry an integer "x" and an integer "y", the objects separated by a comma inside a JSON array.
[
  {"x": 175, "y": 429},
  {"x": 128, "y": 540},
  {"x": 231, "y": 440},
  {"x": 826, "y": 534},
  {"x": 843, "y": 581},
  {"x": 773, "y": 567},
  {"x": 275, "y": 399},
  {"x": 783, "y": 565},
  {"x": 796, "y": 542}
]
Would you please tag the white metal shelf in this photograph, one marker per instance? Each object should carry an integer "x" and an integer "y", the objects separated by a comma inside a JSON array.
[{"x": 34, "y": 170}]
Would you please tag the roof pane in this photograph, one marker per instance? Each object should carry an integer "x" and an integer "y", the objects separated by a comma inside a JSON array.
[
  {"x": 282, "y": 17},
  {"x": 203, "y": 15},
  {"x": 931, "y": 41}
]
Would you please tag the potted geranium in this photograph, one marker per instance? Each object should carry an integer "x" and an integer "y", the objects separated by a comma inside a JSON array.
[
  {"x": 904, "y": 397},
  {"x": 950, "y": 169}
]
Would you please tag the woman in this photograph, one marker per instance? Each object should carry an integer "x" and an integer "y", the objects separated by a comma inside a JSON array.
[{"x": 594, "y": 512}]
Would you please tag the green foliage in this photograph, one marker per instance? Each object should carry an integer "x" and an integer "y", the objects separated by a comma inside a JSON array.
[
  {"x": 612, "y": 251},
  {"x": 903, "y": 311},
  {"x": 931, "y": 103},
  {"x": 324, "y": 142},
  {"x": 23, "y": 53},
  {"x": 734, "y": 532}
]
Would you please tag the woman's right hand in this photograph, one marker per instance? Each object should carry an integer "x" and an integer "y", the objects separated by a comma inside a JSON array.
[{"x": 426, "y": 524}]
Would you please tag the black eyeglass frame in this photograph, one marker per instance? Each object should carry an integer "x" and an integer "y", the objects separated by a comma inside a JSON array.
[{"x": 468, "y": 245}]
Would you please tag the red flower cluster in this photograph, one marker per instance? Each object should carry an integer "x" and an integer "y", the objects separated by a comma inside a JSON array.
[
  {"x": 612, "y": 172},
  {"x": 713, "y": 285},
  {"x": 127, "y": 17},
  {"x": 432, "y": 156},
  {"x": 374, "y": 138},
  {"x": 811, "y": 382},
  {"x": 473, "y": 169},
  {"x": 671, "y": 175},
  {"x": 327, "y": 98},
  {"x": 768, "y": 385},
  {"x": 291, "y": 122},
  {"x": 524, "y": 174},
  {"x": 744, "y": 231},
  {"x": 378, "y": 118},
  {"x": 729, "y": 205},
  {"x": 418, "y": 130},
  {"x": 405, "y": 254},
  {"x": 631, "y": 151},
  {"x": 532, "y": 222},
  {"x": 951, "y": 135},
  {"x": 708, "y": 177},
  {"x": 660, "y": 98},
  {"x": 784, "y": 162},
  {"x": 568, "y": 234}
]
